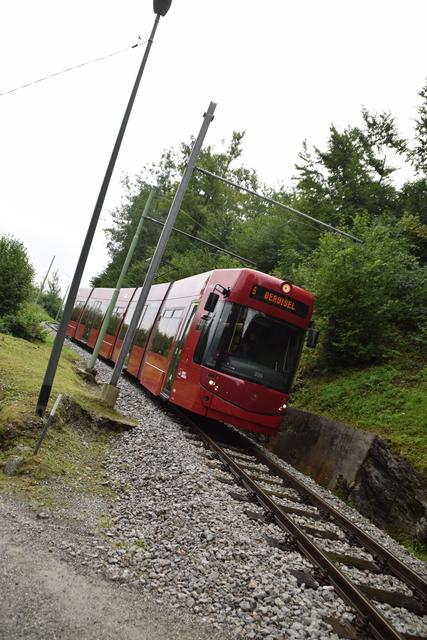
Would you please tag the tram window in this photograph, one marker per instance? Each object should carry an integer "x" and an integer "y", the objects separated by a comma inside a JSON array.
[
  {"x": 76, "y": 311},
  {"x": 166, "y": 331},
  {"x": 114, "y": 320},
  {"x": 127, "y": 319},
  {"x": 92, "y": 315},
  {"x": 207, "y": 332},
  {"x": 145, "y": 325}
]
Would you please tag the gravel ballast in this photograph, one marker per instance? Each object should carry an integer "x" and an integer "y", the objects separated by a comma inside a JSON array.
[
  {"x": 178, "y": 535},
  {"x": 173, "y": 536}
]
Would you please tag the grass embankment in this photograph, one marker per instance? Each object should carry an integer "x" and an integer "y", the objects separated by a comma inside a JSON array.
[
  {"x": 72, "y": 453},
  {"x": 389, "y": 399}
]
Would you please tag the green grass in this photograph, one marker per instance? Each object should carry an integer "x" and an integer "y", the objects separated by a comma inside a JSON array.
[
  {"x": 71, "y": 453},
  {"x": 389, "y": 399}
]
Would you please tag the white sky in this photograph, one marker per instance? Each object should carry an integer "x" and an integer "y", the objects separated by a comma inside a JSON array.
[{"x": 281, "y": 70}]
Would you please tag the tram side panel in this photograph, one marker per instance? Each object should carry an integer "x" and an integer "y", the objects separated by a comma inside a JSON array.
[
  {"x": 82, "y": 299},
  {"x": 120, "y": 310},
  {"x": 148, "y": 318},
  {"x": 161, "y": 348},
  {"x": 92, "y": 316},
  {"x": 186, "y": 390}
]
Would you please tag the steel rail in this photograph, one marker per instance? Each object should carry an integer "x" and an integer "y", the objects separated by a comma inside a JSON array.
[
  {"x": 377, "y": 624},
  {"x": 387, "y": 559}
]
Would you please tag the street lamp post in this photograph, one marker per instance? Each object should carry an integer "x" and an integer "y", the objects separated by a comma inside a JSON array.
[{"x": 161, "y": 7}]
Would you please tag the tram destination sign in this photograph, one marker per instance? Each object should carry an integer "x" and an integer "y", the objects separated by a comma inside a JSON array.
[{"x": 279, "y": 300}]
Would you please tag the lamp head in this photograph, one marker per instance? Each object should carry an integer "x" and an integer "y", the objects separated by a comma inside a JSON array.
[{"x": 161, "y": 6}]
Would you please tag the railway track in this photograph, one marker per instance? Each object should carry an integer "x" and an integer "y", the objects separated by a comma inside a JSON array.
[
  {"x": 312, "y": 526},
  {"x": 309, "y": 524}
]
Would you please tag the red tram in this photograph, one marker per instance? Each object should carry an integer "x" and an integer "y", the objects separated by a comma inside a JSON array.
[{"x": 224, "y": 344}]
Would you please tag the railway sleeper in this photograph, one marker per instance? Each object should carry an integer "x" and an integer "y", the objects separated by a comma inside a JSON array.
[
  {"x": 282, "y": 494},
  {"x": 320, "y": 533},
  {"x": 237, "y": 451},
  {"x": 300, "y": 512},
  {"x": 343, "y": 629},
  {"x": 288, "y": 544},
  {"x": 225, "y": 479},
  {"x": 253, "y": 466},
  {"x": 244, "y": 458},
  {"x": 353, "y": 561},
  {"x": 394, "y": 599},
  {"x": 267, "y": 479},
  {"x": 241, "y": 497}
]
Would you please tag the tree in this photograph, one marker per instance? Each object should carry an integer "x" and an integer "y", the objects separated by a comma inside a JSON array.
[
  {"x": 351, "y": 176},
  {"x": 51, "y": 298},
  {"x": 418, "y": 154},
  {"x": 16, "y": 275},
  {"x": 210, "y": 210},
  {"x": 366, "y": 293}
]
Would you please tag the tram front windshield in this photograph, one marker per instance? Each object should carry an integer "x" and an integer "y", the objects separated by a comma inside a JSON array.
[{"x": 251, "y": 345}]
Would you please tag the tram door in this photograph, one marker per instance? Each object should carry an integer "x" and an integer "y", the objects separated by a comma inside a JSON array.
[{"x": 182, "y": 335}]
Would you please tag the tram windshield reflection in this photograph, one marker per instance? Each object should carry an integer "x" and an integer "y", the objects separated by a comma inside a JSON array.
[{"x": 252, "y": 345}]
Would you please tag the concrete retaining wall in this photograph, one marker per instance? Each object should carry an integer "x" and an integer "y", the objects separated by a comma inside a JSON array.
[
  {"x": 379, "y": 483},
  {"x": 322, "y": 448}
]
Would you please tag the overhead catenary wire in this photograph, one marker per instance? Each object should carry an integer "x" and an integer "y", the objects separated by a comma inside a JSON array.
[
  {"x": 197, "y": 222},
  {"x": 279, "y": 204},
  {"x": 77, "y": 66},
  {"x": 209, "y": 244}
]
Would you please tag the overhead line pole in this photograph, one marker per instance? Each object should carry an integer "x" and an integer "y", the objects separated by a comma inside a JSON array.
[
  {"x": 92, "y": 362},
  {"x": 279, "y": 204},
  {"x": 62, "y": 304},
  {"x": 210, "y": 244},
  {"x": 160, "y": 8},
  {"x": 40, "y": 291},
  {"x": 110, "y": 391}
]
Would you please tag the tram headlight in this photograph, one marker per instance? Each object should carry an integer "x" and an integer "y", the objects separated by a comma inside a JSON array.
[
  {"x": 211, "y": 382},
  {"x": 286, "y": 287},
  {"x": 283, "y": 407}
]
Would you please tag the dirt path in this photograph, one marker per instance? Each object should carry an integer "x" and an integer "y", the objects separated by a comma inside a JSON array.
[{"x": 45, "y": 597}]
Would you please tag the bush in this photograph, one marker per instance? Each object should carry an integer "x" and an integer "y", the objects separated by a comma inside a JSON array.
[
  {"x": 366, "y": 294},
  {"x": 16, "y": 275},
  {"x": 26, "y": 323},
  {"x": 51, "y": 299}
]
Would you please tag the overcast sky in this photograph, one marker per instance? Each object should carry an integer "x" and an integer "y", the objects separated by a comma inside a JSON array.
[{"x": 283, "y": 71}]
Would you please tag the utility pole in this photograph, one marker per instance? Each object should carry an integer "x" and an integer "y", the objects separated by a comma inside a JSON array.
[
  {"x": 123, "y": 272},
  {"x": 161, "y": 7},
  {"x": 110, "y": 391},
  {"x": 62, "y": 303},
  {"x": 40, "y": 291}
]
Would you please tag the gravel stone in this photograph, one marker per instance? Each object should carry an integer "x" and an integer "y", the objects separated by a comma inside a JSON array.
[{"x": 185, "y": 540}]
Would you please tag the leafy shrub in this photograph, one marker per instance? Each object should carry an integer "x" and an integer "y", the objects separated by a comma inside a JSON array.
[
  {"x": 366, "y": 293},
  {"x": 26, "y": 323},
  {"x": 16, "y": 275}
]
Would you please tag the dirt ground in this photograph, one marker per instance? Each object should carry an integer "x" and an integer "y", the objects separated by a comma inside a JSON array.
[{"x": 44, "y": 596}]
